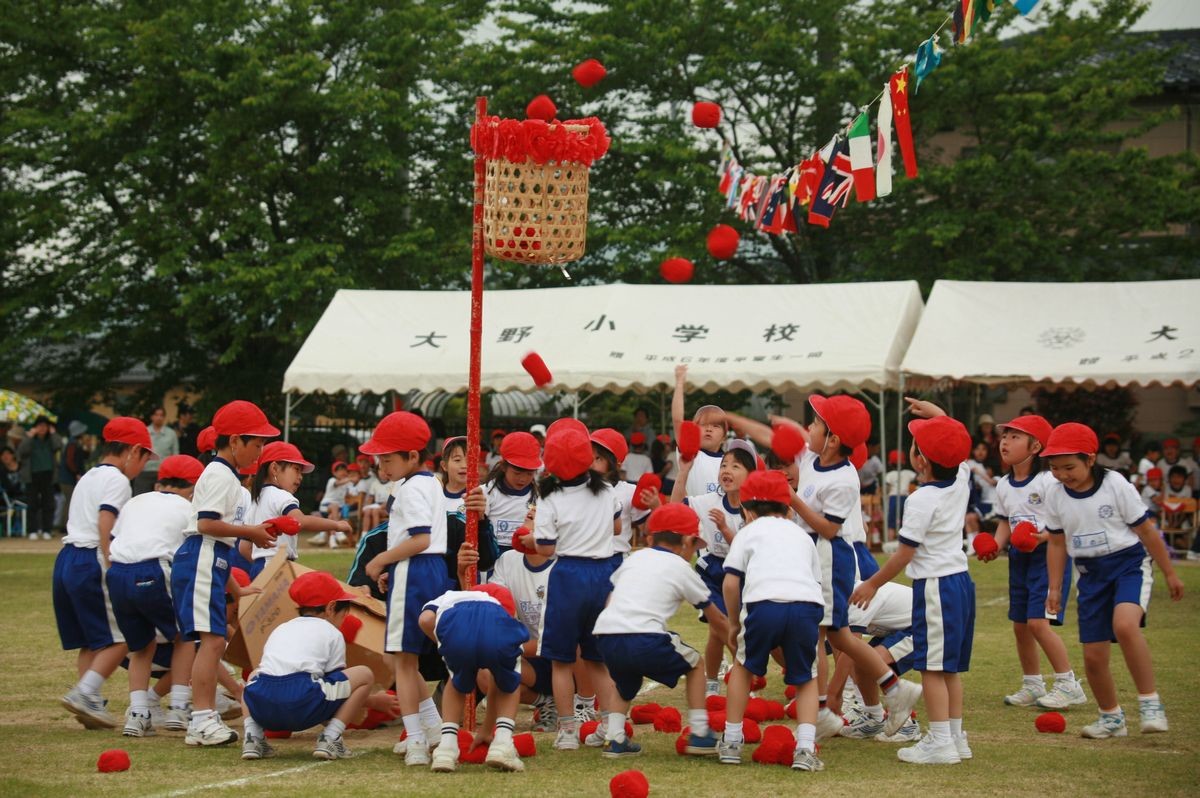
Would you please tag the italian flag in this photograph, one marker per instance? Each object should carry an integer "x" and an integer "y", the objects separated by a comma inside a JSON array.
[{"x": 860, "y": 158}]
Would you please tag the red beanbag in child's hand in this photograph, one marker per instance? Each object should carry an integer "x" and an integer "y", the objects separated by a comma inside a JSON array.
[
  {"x": 984, "y": 545},
  {"x": 630, "y": 784},
  {"x": 644, "y": 713},
  {"x": 1024, "y": 537},
  {"x": 114, "y": 760},
  {"x": 689, "y": 441},
  {"x": 668, "y": 720},
  {"x": 646, "y": 482},
  {"x": 350, "y": 627},
  {"x": 1051, "y": 723},
  {"x": 283, "y": 525},
  {"x": 786, "y": 442},
  {"x": 476, "y": 757}
]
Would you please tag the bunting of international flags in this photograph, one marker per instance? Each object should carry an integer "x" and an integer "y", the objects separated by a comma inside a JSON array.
[{"x": 819, "y": 185}]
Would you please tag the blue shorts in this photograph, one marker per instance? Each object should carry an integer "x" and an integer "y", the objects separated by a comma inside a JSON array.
[
  {"x": 943, "y": 623},
  {"x": 297, "y": 701},
  {"x": 236, "y": 560},
  {"x": 81, "y": 604},
  {"x": 900, "y": 646},
  {"x": 479, "y": 635},
  {"x": 141, "y": 601},
  {"x": 412, "y": 583},
  {"x": 576, "y": 592},
  {"x": 867, "y": 565},
  {"x": 712, "y": 573},
  {"x": 543, "y": 675},
  {"x": 630, "y": 658},
  {"x": 790, "y": 625},
  {"x": 838, "y": 567},
  {"x": 199, "y": 575},
  {"x": 1029, "y": 583},
  {"x": 1124, "y": 577}
]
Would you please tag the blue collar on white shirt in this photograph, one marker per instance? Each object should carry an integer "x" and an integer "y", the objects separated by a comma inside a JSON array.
[{"x": 228, "y": 465}]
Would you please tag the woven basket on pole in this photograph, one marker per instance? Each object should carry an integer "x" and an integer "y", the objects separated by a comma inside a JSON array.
[{"x": 536, "y": 213}]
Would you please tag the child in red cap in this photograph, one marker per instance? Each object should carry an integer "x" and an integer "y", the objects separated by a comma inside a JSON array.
[
  {"x": 611, "y": 453},
  {"x": 146, "y": 536},
  {"x": 333, "y": 499},
  {"x": 632, "y": 631},
  {"x": 302, "y": 679},
  {"x": 773, "y": 594},
  {"x": 81, "y": 603},
  {"x": 200, "y": 573},
  {"x": 412, "y": 570},
  {"x": 509, "y": 486},
  {"x": 931, "y": 552},
  {"x": 1096, "y": 517},
  {"x": 477, "y": 630},
  {"x": 638, "y": 461},
  {"x": 704, "y": 476},
  {"x": 1020, "y": 497}
]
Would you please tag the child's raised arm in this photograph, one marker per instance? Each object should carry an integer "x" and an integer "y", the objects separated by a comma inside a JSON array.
[{"x": 677, "y": 398}]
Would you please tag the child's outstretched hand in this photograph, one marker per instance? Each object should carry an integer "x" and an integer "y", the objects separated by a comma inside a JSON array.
[
  {"x": 681, "y": 374},
  {"x": 384, "y": 702},
  {"x": 862, "y": 595},
  {"x": 482, "y": 737},
  {"x": 923, "y": 409},
  {"x": 344, "y": 526},
  {"x": 260, "y": 535},
  {"x": 651, "y": 498},
  {"x": 1175, "y": 587}
]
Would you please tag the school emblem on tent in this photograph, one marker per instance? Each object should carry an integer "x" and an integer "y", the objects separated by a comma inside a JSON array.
[{"x": 1061, "y": 337}]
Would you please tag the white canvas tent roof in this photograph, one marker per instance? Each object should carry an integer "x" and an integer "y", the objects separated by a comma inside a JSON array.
[
  {"x": 614, "y": 337},
  {"x": 1143, "y": 333}
]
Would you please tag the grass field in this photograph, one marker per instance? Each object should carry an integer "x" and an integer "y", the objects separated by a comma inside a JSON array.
[{"x": 48, "y": 753}]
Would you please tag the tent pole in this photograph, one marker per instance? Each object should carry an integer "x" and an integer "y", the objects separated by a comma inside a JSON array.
[
  {"x": 882, "y": 488},
  {"x": 899, "y": 445},
  {"x": 287, "y": 417},
  {"x": 575, "y": 411}
]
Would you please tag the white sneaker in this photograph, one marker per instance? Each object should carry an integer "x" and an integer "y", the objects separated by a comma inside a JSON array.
[
  {"x": 807, "y": 760},
  {"x": 1107, "y": 725},
  {"x": 177, "y": 720},
  {"x": 900, "y": 705},
  {"x": 1027, "y": 696},
  {"x": 927, "y": 752},
  {"x": 341, "y": 539},
  {"x": 319, "y": 539},
  {"x": 1193, "y": 555},
  {"x": 158, "y": 716},
  {"x": 910, "y": 732},
  {"x": 595, "y": 739},
  {"x": 504, "y": 757},
  {"x": 91, "y": 712},
  {"x": 828, "y": 724},
  {"x": 416, "y": 755},
  {"x": 256, "y": 748},
  {"x": 445, "y": 759},
  {"x": 47, "y": 536},
  {"x": 1154, "y": 717},
  {"x": 227, "y": 707},
  {"x": 584, "y": 714},
  {"x": 1063, "y": 695},
  {"x": 331, "y": 748},
  {"x": 212, "y": 731},
  {"x": 729, "y": 753},
  {"x": 433, "y": 738},
  {"x": 960, "y": 745},
  {"x": 567, "y": 739},
  {"x": 545, "y": 714},
  {"x": 862, "y": 727},
  {"x": 137, "y": 724}
]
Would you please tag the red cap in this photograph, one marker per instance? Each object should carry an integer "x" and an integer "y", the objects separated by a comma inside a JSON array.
[
  {"x": 766, "y": 486},
  {"x": 180, "y": 466},
  {"x": 568, "y": 454},
  {"x": 501, "y": 594},
  {"x": 639, "y": 438},
  {"x": 521, "y": 449},
  {"x": 845, "y": 416},
  {"x": 984, "y": 545},
  {"x": 240, "y": 417},
  {"x": 858, "y": 457},
  {"x": 536, "y": 368},
  {"x": 613, "y": 441},
  {"x": 281, "y": 452},
  {"x": 1171, "y": 442},
  {"x": 1154, "y": 473},
  {"x": 354, "y": 468},
  {"x": 1024, "y": 536},
  {"x": 689, "y": 441},
  {"x": 283, "y": 525},
  {"x": 518, "y": 545},
  {"x": 1071, "y": 438},
  {"x": 894, "y": 457},
  {"x": 676, "y": 517},
  {"x": 1112, "y": 436},
  {"x": 706, "y": 114},
  {"x": 588, "y": 73},
  {"x": 113, "y": 760},
  {"x": 1036, "y": 426},
  {"x": 567, "y": 423},
  {"x": 316, "y": 589},
  {"x": 629, "y": 784},
  {"x": 943, "y": 440},
  {"x": 665, "y": 438},
  {"x": 128, "y": 430},
  {"x": 336, "y": 464},
  {"x": 498, "y": 433},
  {"x": 787, "y": 442},
  {"x": 645, "y": 482},
  {"x": 249, "y": 470},
  {"x": 400, "y": 431},
  {"x": 1050, "y": 723},
  {"x": 722, "y": 242},
  {"x": 206, "y": 441},
  {"x": 240, "y": 576}
]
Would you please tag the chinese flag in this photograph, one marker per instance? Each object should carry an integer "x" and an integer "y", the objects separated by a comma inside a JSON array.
[{"x": 903, "y": 121}]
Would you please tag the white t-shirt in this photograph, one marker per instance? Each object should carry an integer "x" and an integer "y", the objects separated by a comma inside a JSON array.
[
  {"x": 419, "y": 508},
  {"x": 1144, "y": 465},
  {"x": 1023, "y": 501},
  {"x": 636, "y": 464},
  {"x": 705, "y": 476},
  {"x": 647, "y": 590},
  {"x": 831, "y": 491},
  {"x": 454, "y": 505},
  {"x": 983, "y": 481},
  {"x": 578, "y": 522},
  {"x": 274, "y": 501},
  {"x": 870, "y": 472},
  {"x": 889, "y": 611},
  {"x": 714, "y": 541},
  {"x": 933, "y": 524},
  {"x": 904, "y": 476},
  {"x": 335, "y": 492},
  {"x": 1098, "y": 521},
  {"x": 102, "y": 488},
  {"x": 1149, "y": 494},
  {"x": 453, "y": 598},
  {"x": 507, "y": 509},
  {"x": 527, "y": 585},
  {"x": 380, "y": 491},
  {"x": 1172, "y": 494},
  {"x": 218, "y": 496},
  {"x": 777, "y": 560},
  {"x": 623, "y": 543},
  {"x": 304, "y": 645},
  {"x": 150, "y": 527}
]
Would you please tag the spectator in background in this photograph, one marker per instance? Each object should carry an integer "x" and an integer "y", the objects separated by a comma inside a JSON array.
[
  {"x": 10, "y": 477},
  {"x": 986, "y": 432},
  {"x": 872, "y": 469},
  {"x": 641, "y": 423},
  {"x": 165, "y": 443},
  {"x": 1149, "y": 460},
  {"x": 494, "y": 454},
  {"x": 1152, "y": 490},
  {"x": 637, "y": 462},
  {"x": 663, "y": 462},
  {"x": 186, "y": 429},
  {"x": 71, "y": 466},
  {"x": 37, "y": 455},
  {"x": 898, "y": 482},
  {"x": 1112, "y": 457},
  {"x": 539, "y": 431},
  {"x": 1172, "y": 457}
]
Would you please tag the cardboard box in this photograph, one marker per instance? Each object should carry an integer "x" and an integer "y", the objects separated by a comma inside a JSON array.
[{"x": 258, "y": 616}]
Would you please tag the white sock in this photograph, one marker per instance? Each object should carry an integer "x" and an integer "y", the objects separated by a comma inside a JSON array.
[
  {"x": 430, "y": 717},
  {"x": 1068, "y": 677},
  {"x": 181, "y": 696},
  {"x": 334, "y": 729},
  {"x": 201, "y": 715},
  {"x": 1034, "y": 680},
  {"x": 939, "y": 731},
  {"x": 875, "y": 712},
  {"x": 806, "y": 737},
  {"x": 139, "y": 701},
  {"x": 155, "y": 696},
  {"x": 733, "y": 732},
  {"x": 251, "y": 728},
  {"x": 90, "y": 684},
  {"x": 504, "y": 731},
  {"x": 449, "y": 733},
  {"x": 698, "y": 721},
  {"x": 1148, "y": 697},
  {"x": 616, "y": 727},
  {"x": 416, "y": 731},
  {"x": 956, "y": 727}
]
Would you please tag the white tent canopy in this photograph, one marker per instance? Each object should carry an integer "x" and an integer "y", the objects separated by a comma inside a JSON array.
[
  {"x": 1143, "y": 333},
  {"x": 614, "y": 337}
]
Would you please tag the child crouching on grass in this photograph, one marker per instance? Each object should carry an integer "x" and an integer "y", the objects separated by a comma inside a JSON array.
[{"x": 303, "y": 680}]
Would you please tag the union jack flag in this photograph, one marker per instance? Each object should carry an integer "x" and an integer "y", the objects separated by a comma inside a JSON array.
[{"x": 836, "y": 183}]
